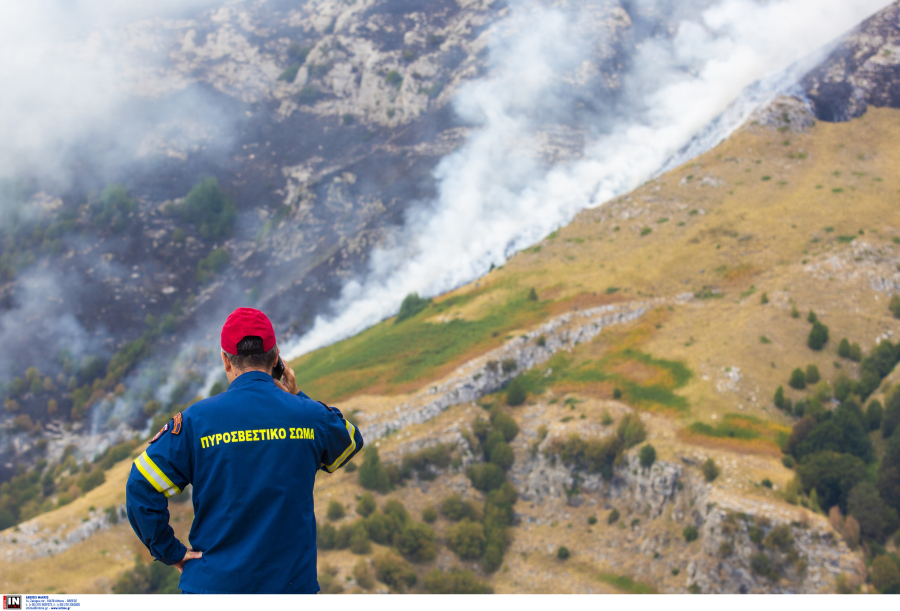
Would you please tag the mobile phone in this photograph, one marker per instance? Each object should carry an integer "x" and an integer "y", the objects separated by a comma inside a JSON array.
[{"x": 278, "y": 370}]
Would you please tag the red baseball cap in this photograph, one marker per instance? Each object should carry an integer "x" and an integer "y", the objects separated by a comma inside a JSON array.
[{"x": 251, "y": 325}]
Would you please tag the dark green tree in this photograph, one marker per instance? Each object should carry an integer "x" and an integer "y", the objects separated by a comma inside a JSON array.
[
  {"x": 647, "y": 456},
  {"x": 832, "y": 475},
  {"x": 412, "y": 305},
  {"x": 876, "y": 519},
  {"x": 843, "y": 433},
  {"x": 779, "y": 397},
  {"x": 844, "y": 348},
  {"x": 889, "y": 472},
  {"x": 812, "y": 374},
  {"x": 891, "y": 417},
  {"x": 209, "y": 209},
  {"x": 874, "y": 414},
  {"x": 798, "y": 379},
  {"x": 818, "y": 336},
  {"x": 372, "y": 474},
  {"x": 515, "y": 393}
]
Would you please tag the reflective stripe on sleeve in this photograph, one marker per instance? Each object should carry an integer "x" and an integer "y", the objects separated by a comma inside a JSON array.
[
  {"x": 155, "y": 476},
  {"x": 333, "y": 466}
]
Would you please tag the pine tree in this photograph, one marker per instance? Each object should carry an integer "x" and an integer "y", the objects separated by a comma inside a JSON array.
[
  {"x": 818, "y": 336},
  {"x": 798, "y": 379},
  {"x": 779, "y": 397}
]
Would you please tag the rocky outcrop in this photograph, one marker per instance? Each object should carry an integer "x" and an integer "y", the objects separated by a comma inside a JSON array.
[
  {"x": 863, "y": 69},
  {"x": 490, "y": 372},
  {"x": 32, "y": 540}
]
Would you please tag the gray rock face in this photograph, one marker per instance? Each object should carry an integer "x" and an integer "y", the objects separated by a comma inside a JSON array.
[
  {"x": 864, "y": 69},
  {"x": 490, "y": 372}
]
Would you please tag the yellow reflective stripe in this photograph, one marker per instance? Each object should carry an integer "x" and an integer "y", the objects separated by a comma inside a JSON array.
[
  {"x": 333, "y": 466},
  {"x": 147, "y": 476},
  {"x": 168, "y": 488}
]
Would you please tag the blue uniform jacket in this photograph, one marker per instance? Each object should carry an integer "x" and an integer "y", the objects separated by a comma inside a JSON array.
[{"x": 251, "y": 454}]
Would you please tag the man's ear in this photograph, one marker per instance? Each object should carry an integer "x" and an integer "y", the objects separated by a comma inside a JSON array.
[{"x": 226, "y": 362}]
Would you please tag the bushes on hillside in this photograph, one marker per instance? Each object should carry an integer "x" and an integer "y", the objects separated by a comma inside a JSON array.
[
  {"x": 832, "y": 476},
  {"x": 874, "y": 413},
  {"x": 395, "y": 572},
  {"x": 467, "y": 539},
  {"x": 812, "y": 374},
  {"x": 152, "y": 578},
  {"x": 455, "y": 581},
  {"x": 647, "y": 456},
  {"x": 209, "y": 209},
  {"x": 454, "y": 508},
  {"x": 599, "y": 455}
]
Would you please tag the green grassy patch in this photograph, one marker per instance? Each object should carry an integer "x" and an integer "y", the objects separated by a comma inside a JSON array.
[
  {"x": 567, "y": 372},
  {"x": 388, "y": 356},
  {"x": 626, "y": 584},
  {"x": 744, "y": 427}
]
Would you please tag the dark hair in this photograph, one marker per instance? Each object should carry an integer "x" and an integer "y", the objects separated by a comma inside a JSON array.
[{"x": 266, "y": 360}]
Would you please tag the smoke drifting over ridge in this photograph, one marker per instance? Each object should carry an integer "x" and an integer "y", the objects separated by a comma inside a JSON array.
[
  {"x": 495, "y": 197},
  {"x": 85, "y": 85}
]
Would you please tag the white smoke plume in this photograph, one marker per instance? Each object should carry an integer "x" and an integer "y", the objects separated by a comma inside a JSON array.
[
  {"x": 494, "y": 195},
  {"x": 71, "y": 73}
]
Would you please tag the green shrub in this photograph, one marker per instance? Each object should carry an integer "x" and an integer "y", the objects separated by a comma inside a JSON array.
[
  {"x": 363, "y": 575},
  {"x": 811, "y": 317},
  {"x": 502, "y": 455},
  {"x": 335, "y": 510},
  {"x": 209, "y": 209},
  {"x": 798, "y": 379},
  {"x": 884, "y": 575},
  {"x": 412, "y": 305},
  {"x": 417, "y": 542},
  {"x": 767, "y": 483},
  {"x": 894, "y": 306},
  {"x": 372, "y": 474},
  {"x": 505, "y": 424},
  {"x": 710, "y": 470},
  {"x": 486, "y": 477},
  {"x": 455, "y": 581},
  {"x": 818, "y": 336},
  {"x": 631, "y": 430},
  {"x": 855, "y": 353},
  {"x": 366, "y": 505},
  {"x": 889, "y": 473},
  {"x": 612, "y": 517},
  {"x": 308, "y": 95},
  {"x": 764, "y": 298},
  {"x": 394, "y": 572},
  {"x": 563, "y": 553},
  {"x": 690, "y": 533},
  {"x": 788, "y": 461},
  {"x": 454, "y": 508},
  {"x": 326, "y": 535},
  {"x": 647, "y": 456},
  {"x": 812, "y": 374},
  {"x": 778, "y": 400},
  {"x": 844, "y": 348},
  {"x": 90, "y": 481},
  {"x": 617, "y": 393},
  {"x": 532, "y": 294},
  {"x": 467, "y": 539},
  {"x": 592, "y": 520},
  {"x": 877, "y": 521},
  {"x": 515, "y": 393},
  {"x": 890, "y": 418},
  {"x": 874, "y": 414},
  {"x": 509, "y": 365},
  {"x": 429, "y": 514},
  {"x": 393, "y": 78},
  {"x": 114, "y": 209}
]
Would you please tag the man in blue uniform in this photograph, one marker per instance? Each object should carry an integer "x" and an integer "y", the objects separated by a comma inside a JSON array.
[{"x": 251, "y": 454}]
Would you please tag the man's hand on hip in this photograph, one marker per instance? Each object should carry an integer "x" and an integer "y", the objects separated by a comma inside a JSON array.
[
  {"x": 288, "y": 382},
  {"x": 189, "y": 555}
]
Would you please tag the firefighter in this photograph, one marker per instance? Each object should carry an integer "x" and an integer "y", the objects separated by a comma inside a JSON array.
[{"x": 251, "y": 454}]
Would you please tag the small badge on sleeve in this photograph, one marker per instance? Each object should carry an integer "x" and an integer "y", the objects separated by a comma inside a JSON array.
[
  {"x": 161, "y": 431},
  {"x": 176, "y": 426}
]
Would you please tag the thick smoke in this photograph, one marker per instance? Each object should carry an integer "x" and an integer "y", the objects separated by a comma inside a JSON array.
[
  {"x": 76, "y": 79},
  {"x": 495, "y": 197}
]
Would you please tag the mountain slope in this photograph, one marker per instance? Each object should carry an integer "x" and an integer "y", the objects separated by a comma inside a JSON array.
[{"x": 804, "y": 213}]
